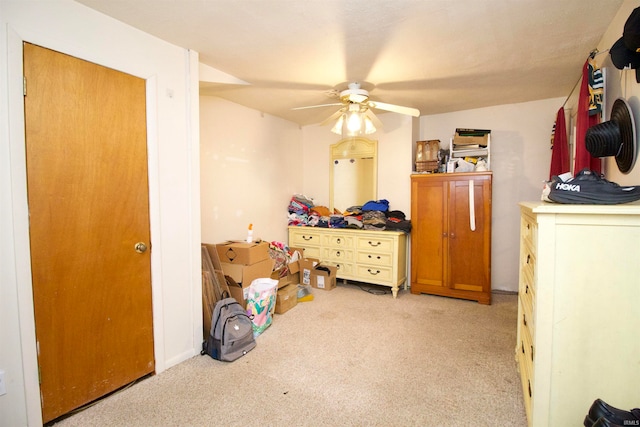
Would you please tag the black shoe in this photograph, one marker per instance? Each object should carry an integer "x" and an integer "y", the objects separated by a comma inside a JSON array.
[
  {"x": 590, "y": 188},
  {"x": 602, "y": 422},
  {"x": 614, "y": 416}
]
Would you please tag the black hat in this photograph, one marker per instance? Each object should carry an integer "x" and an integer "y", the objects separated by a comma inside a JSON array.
[
  {"x": 616, "y": 137},
  {"x": 625, "y": 52},
  {"x": 631, "y": 33}
]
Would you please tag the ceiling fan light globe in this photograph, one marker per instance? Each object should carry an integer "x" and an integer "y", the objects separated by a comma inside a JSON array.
[
  {"x": 369, "y": 128},
  {"x": 354, "y": 122},
  {"x": 337, "y": 128}
]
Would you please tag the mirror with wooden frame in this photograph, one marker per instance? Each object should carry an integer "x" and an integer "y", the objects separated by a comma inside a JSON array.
[{"x": 352, "y": 173}]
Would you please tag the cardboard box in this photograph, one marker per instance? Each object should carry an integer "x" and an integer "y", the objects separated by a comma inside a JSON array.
[
  {"x": 294, "y": 267},
  {"x": 213, "y": 255},
  {"x": 288, "y": 279},
  {"x": 237, "y": 291},
  {"x": 306, "y": 267},
  {"x": 310, "y": 274},
  {"x": 471, "y": 140},
  {"x": 245, "y": 274},
  {"x": 242, "y": 252},
  {"x": 324, "y": 277},
  {"x": 286, "y": 298},
  {"x": 289, "y": 274}
]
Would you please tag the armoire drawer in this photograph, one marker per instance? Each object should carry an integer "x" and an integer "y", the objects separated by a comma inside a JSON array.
[
  {"x": 528, "y": 261},
  {"x": 527, "y": 320},
  {"x": 528, "y": 230},
  {"x": 526, "y": 348},
  {"x": 526, "y": 378}
]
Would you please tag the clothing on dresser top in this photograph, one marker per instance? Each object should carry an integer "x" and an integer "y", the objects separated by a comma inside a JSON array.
[
  {"x": 353, "y": 210},
  {"x": 321, "y": 210},
  {"x": 373, "y": 215},
  {"x": 376, "y": 205},
  {"x": 337, "y": 221},
  {"x": 374, "y": 220},
  {"x": 354, "y": 221}
]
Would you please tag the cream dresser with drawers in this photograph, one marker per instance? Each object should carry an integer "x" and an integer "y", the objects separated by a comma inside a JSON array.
[
  {"x": 578, "y": 333},
  {"x": 370, "y": 256}
]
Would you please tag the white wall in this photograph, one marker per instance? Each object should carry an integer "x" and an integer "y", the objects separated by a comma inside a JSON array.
[
  {"x": 172, "y": 85},
  {"x": 520, "y": 161},
  {"x": 252, "y": 163},
  {"x": 250, "y": 168}
]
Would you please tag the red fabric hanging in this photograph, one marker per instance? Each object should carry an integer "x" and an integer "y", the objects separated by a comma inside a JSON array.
[
  {"x": 560, "y": 150},
  {"x": 583, "y": 122}
]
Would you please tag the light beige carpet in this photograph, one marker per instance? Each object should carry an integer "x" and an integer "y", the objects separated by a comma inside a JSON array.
[{"x": 348, "y": 358}]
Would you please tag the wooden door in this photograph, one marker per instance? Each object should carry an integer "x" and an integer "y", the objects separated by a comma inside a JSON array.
[
  {"x": 88, "y": 206},
  {"x": 469, "y": 244},
  {"x": 429, "y": 210}
]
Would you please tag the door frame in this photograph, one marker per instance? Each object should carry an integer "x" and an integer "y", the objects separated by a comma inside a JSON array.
[{"x": 20, "y": 212}]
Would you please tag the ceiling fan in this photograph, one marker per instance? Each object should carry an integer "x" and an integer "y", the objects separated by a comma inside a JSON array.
[{"x": 355, "y": 116}]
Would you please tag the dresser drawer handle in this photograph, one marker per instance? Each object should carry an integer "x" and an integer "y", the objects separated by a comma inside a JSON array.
[
  {"x": 524, "y": 319},
  {"x": 372, "y": 272},
  {"x": 529, "y": 384},
  {"x": 374, "y": 244},
  {"x": 307, "y": 238},
  {"x": 522, "y": 345},
  {"x": 337, "y": 253},
  {"x": 526, "y": 289},
  {"x": 532, "y": 353},
  {"x": 528, "y": 226},
  {"x": 338, "y": 241},
  {"x": 528, "y": 258},
  {"x": 369, "y": 256}
]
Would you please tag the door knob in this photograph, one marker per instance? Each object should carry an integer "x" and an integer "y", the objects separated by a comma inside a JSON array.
[{"x": 140, "y": 247}]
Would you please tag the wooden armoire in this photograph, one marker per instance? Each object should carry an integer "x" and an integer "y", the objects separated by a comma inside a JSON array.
[{"x": 451, "y": 235}]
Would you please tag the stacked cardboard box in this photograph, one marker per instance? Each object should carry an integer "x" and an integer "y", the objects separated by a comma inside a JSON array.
[
  {"x": 242, "y": 263},
  {"x": 290, "y": 273},
  {"x": 318, "y": 275},
  {"x": 286, "y": 298},
  {"x": 288, "y": 278}
]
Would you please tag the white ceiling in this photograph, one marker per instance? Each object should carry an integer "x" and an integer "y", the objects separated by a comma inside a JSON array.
[{"x": 435, "y": 55}]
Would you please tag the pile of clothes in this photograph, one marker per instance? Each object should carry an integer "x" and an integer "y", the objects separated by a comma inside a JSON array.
[{"x": 373, "y": 215}]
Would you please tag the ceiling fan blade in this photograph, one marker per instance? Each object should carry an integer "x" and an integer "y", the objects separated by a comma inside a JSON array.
[
  {"x": 395, "y": 108},
  {"x": 317, "y": 106},
  {"x": 332, "y": 117}
]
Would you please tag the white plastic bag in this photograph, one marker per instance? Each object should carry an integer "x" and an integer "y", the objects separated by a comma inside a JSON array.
[
  {"x": 464, "y": 166},
  {"x": 261, "y": 303}
]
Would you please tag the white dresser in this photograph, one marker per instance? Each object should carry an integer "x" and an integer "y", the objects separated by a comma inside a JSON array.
[
  {"x": 578, "y": 309},
  {"x": 370, "y": 256}
]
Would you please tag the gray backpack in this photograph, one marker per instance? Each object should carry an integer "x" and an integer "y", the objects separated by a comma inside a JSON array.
[{"x": 231, "y": 334}]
